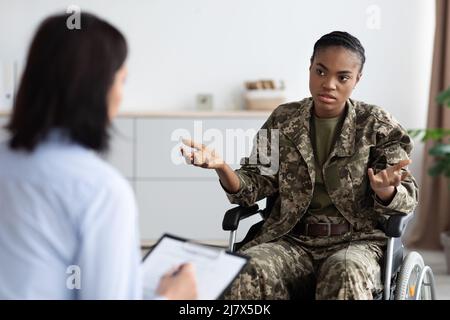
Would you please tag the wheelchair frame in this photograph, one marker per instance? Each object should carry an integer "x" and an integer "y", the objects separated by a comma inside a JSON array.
[{"x": 393, "y": 258}]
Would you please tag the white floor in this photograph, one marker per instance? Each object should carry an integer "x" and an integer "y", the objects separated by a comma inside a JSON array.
[{"x": 436, "y": 260}]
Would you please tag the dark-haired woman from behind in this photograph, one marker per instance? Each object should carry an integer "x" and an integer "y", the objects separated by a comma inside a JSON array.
[{"x": 68, "y": 220}]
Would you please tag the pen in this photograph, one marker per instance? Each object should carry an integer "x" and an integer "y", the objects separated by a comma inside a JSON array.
[{"x": 177, "y": 271}]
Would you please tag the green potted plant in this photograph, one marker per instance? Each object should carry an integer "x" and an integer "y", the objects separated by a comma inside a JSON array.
[
  {"x": 441, "y": 153},
  {"x": 441, "y": 148}
]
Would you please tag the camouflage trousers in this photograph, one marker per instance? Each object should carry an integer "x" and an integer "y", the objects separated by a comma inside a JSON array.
[{"x": 285, "y": 269}]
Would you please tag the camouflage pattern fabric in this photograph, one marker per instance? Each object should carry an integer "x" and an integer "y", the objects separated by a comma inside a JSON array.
[
  {"x": 284, "y": 269},
  {"x": 369, "y": 138}
]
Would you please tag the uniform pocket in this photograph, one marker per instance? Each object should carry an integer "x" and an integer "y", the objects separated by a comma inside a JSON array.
[{"x": 339, "y": 186}]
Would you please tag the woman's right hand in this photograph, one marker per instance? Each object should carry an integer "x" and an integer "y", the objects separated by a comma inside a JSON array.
[
  {"x": 179, "y": 283},
  {"x": 206, "y": 158},
  {"x": 201, "y": 156}
]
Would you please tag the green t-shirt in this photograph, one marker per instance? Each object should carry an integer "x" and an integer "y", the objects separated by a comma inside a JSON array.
[{"x": 323, "y": 136}]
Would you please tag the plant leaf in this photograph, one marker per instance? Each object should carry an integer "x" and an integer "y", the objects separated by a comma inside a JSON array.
[
  {"x": 444, "y": 98},
  {"x": 437, "y": 169},
  {"x": 440, "y": 149},
  {"x": 436, "y": 134}
]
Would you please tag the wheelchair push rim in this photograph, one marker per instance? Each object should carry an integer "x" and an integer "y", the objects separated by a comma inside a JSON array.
[{"x": 415, "y": 280}]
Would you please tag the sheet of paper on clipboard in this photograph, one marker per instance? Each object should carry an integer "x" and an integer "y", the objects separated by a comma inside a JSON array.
[{"x": 215, "y": 267}]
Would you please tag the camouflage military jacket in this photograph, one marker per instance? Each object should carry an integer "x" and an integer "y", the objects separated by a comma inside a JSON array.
[{"x": 369, "y": 137}]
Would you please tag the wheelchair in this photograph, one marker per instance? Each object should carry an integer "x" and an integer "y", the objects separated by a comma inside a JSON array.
[{"x": 405, "y": 277}]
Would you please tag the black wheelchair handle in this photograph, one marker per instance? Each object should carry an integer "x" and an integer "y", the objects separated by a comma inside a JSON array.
[
  {"x": 233, "y": 216},
  {"x": 395, "y": 225}
]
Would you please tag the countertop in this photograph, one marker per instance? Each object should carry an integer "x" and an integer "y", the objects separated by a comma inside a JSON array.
[{"x": 186, "y": 114}]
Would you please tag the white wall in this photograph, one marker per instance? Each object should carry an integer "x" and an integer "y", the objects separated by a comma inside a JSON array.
[{"x": 181, "y": 48}]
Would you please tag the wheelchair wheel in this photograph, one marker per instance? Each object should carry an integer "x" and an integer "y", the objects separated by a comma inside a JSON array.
[{"x": 408, "y": 278}]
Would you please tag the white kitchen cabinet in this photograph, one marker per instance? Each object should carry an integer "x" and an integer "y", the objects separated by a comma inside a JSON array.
[
  {"x": 178, "y": 198},
  {"x": 190, "y": 208},
  {"x": 3, "y": 132},
  {"x": 121, "y": 153},
  {"x": 157, "y": 143},
  {"x": 157, "y": 155}
]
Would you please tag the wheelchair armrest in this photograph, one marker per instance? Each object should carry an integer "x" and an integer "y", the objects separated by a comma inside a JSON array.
[
  {"x": 394, "y": 225},
  {"x": 233, "y": 216}
]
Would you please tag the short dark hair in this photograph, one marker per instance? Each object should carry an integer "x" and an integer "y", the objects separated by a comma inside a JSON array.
[
  {"x": 66, "y": 81},
  {"x": 341, "y": 39}
]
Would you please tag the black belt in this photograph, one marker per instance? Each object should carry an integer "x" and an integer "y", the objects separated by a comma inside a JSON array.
[{"x": 321, "y": 229}]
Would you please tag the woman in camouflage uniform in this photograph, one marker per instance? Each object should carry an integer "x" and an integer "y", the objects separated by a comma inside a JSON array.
[{"x": 342, "y": 165}]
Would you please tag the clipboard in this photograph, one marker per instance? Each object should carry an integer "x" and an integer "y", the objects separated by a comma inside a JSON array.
[{"x": 215, "y": 268}]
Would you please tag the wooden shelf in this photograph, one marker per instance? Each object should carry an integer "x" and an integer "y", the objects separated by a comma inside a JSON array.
[
  {"x": 185, "y": 114},
  {"x": 194, "y": 114}
]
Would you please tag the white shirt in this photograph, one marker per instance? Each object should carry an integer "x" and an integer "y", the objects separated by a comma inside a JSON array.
[{"x": 67, "y": 218}]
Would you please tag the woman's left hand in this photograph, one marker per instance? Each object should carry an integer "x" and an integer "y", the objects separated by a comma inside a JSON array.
[{"x": 384, "y": 182}]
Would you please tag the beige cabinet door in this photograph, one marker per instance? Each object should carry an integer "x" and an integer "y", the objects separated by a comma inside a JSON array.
[
  {"x": 121, "y": 153},
  {"x": 3, "y": 132},
  {"x": 158, "y": 141},
  {"x": 191, "y": 209}
]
